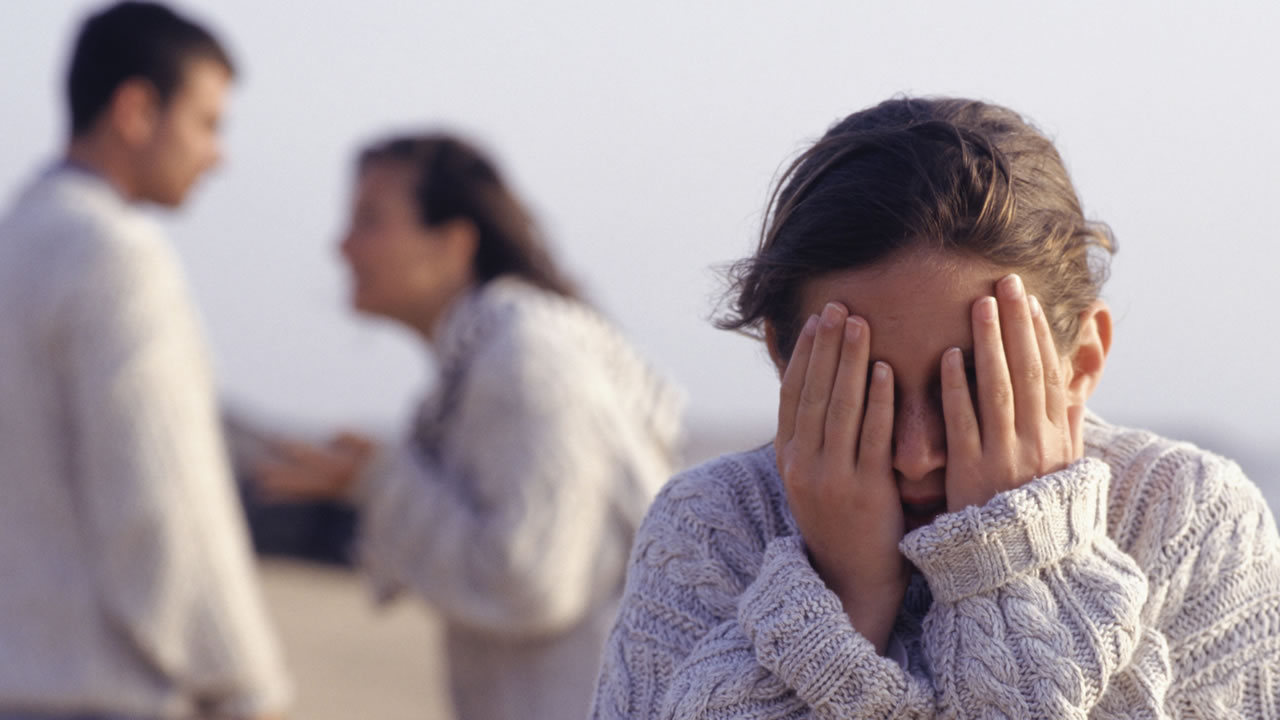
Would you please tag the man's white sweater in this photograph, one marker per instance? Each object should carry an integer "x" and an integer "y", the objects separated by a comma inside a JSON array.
[{"x": 126, "y": 580}]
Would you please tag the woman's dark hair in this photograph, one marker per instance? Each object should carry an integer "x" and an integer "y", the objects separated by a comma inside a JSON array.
[
  {"x": 133, "y": 40},
  {"x": 456, "y": 181},
  {"x": 951, "y": 174}
]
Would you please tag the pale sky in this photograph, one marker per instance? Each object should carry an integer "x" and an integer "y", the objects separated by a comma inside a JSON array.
[{"x": 645, "y": 137}]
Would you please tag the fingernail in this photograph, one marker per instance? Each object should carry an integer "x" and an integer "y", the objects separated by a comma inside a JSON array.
[
  {"x": 1035, "y": 306},
  {"x": 852, "y": 329},
  {"x": 810, "y": 325},
  {"x": 1012, "y": 286},
  {"x": 954, "y": 357},
  {"x": 881, "y": 370},
  {"x": 987, "y": 309},
  {"x": 831, "y": 315}
]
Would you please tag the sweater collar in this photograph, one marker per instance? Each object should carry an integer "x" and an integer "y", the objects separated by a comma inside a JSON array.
[
  {"x": 455, "y": 327},
  {"x": 66, "y": 167}
]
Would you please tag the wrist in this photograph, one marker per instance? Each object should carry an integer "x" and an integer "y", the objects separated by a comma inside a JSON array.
[
  {"x": 873, "y": 613},
  {"x": 871, "y": 606},
  {"x": 366, "y": 475},
  {"x": 1019, "y": 531}
]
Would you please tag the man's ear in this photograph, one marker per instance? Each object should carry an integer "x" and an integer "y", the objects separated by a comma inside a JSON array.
[
  {"x": 1086, "y": 361},
  {"x": 771, "y": 343},
  {"x": 134, "y": 111}
]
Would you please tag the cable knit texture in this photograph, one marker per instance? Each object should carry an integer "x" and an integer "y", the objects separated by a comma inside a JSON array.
[
  {"x": 513, "y": 504},
  {"x": 1140, "y": 582},
  {"x": 127, "y": 580}
]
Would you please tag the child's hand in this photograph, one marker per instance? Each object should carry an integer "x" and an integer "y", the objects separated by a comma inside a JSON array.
[
  {"x": 1022, "y": 429},
  {"x": 833, "y": 446}
]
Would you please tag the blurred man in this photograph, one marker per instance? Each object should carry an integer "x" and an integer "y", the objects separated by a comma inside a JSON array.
[{"x": 127, "y": 588}]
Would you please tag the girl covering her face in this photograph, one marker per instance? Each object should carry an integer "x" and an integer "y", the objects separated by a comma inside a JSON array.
[{"x": 941, "y": 527}]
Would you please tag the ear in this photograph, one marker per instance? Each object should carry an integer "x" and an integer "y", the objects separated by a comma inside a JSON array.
[
  {"x": 771, "y": 343},
  {"x": 1086, "y": 362},
  {"x": 462, "y": 241},
  {"x": 134, "y": 111}
]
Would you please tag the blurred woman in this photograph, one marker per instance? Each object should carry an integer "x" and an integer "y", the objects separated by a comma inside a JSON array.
[{"x": 512, "y": 504}]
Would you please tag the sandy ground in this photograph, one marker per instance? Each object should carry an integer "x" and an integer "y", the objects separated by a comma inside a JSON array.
[{"x": 350, "y": 659}]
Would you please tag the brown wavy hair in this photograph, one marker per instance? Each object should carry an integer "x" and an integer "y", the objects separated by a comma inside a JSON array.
[
  {"x": 953, "y": 174},
  {"x": 455, "y": 180}
]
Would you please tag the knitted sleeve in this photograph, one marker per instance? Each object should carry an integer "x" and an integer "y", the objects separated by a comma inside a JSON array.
[
  {"x": 154, "y": 490},
  {"x": 717, "y": 622},
  {"x": 503, "y": 529},
  {"x": 1037, "y": 612}
]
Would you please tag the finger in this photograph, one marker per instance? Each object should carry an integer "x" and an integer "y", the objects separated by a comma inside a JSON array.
[
  {"x": 844, "y": 412},
  {"x": 304, "y": 454},
  {"x": 1022, "y": 353},
  {"x": 352, "y": 443},
  {"x": 281, "y": 480},
  {"x": 875, "y": 445},
  {"x": 283, "y": 447},
  {"x": 995, "y": 392},
  {"x": 811, "y": 416},
  {"x": 793, "y": 382},
  {"x": 964, "y": 441},
  {"x": 1055, "y": 398},
  {"x": 285, "y": 494}
]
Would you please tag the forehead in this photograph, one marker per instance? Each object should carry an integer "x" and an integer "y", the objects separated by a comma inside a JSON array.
[
  {"x": 380, "y": 179},
  {"x": 204, "y": 84},
  {"x": 917, "y": 301}
]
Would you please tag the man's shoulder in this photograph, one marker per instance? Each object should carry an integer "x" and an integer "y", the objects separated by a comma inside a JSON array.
[
  {"x": 70, "y": 247},
  {"x": 72, "y": 212}
]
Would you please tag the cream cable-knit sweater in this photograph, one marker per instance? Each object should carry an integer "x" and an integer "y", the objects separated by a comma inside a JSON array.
[
  {"x": 1141, "y": 582},
  {"x": 126, "y": 581},
  {"x": 512, "y": 506}
]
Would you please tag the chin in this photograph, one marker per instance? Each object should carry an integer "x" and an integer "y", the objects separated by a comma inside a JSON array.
[
  {"x": 172, "y": 198},
  {"x": 360, "y": 305},
  {"x": 366, "y": 306},
  {"x": 165, "y": 201}
]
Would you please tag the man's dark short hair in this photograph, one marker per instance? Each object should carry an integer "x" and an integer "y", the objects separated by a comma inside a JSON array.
[{"x": 131, "y": 40}]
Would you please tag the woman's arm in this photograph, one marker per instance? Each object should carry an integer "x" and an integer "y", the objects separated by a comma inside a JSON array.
[{"x": 506, "y": 527}]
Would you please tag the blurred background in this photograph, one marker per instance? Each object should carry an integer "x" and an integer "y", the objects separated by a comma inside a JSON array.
[{"x": 646, "y": 137}]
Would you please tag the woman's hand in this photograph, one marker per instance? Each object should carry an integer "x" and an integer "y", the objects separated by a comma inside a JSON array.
[
  {"x": 1022, "y": 429},
  {"x": 298, "y": 471},
  {"x": 833, "y": 444}
]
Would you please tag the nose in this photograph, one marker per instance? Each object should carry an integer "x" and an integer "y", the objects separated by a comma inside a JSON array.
[{"x": 919, "y": 439}]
